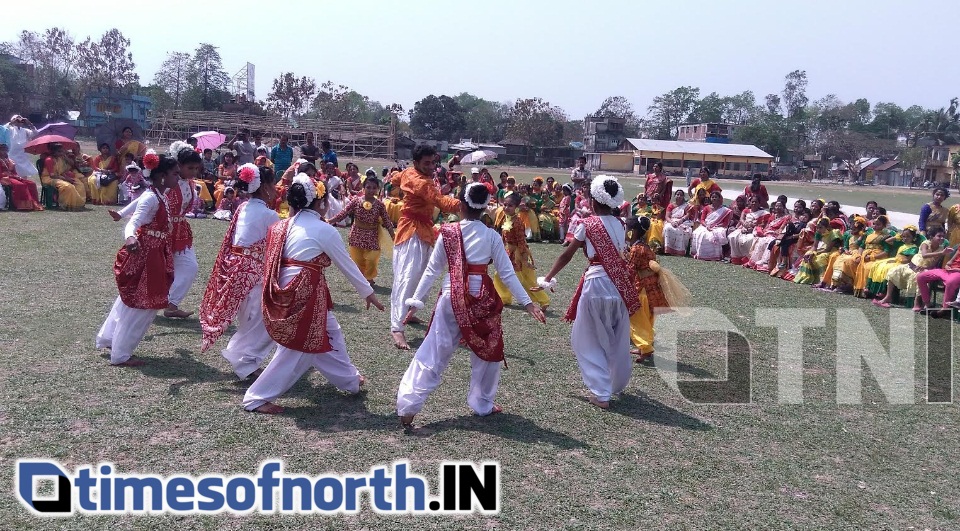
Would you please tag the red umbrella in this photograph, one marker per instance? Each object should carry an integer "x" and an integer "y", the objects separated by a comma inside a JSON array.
[{"x": 41, "y": 144}]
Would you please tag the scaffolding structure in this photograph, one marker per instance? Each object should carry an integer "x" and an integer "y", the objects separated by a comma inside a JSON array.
[{"x": 346, "y": 138}]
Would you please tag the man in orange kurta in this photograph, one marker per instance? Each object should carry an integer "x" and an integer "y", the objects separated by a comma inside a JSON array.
[{"x": 415, "y": 236}]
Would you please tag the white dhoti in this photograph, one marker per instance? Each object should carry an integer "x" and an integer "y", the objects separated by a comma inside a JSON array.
[
  {"x": 601, "y": 338},
  {"x": 288, "y": 365},
  {"x": 123, "y": 330},
  {"x": 409, "y": 262},
  {"x": 425, "y": 370},
  {"x": 251, "y": 344},
  {"x": 184, "y": 273}
]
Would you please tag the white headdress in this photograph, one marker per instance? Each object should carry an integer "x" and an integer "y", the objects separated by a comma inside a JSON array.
[
  {"x": 177, "y": 147},
  {"x": 369, "y": 170},
  {"x": 470, "y": 203},
  {"x": 308, "y": 186},
  {"x": 598, "y": 192},
  {"x": 250, "y": 174}
]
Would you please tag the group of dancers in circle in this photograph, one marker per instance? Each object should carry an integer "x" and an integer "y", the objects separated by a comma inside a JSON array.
[{"x": 269, "y": 280}]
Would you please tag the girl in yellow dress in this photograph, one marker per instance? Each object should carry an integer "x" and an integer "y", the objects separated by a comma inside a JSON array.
[
  {"x": 515, "y": 241},
  {"x": 875, "y": 248}
]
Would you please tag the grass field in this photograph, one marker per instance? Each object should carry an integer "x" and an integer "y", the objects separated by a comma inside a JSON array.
[{"x": 653, "y": 461}]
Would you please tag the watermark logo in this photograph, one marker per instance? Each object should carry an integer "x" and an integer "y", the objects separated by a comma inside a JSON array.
[{"x": 463, "y": 488}]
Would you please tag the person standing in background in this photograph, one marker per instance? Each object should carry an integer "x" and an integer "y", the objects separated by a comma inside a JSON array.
[{"x": 281, "y": 155}]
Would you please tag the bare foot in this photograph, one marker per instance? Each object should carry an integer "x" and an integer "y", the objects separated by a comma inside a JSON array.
[
  {"x": 114, "y": 214},
  {"x": 599, "y": 403},
  {"x": 269, "y": 409},
  {"x": 414, "y": 320},
  {"x": 496, "y": 409},
  {"x": 131, "y": 362},
  {"x": 400, "y": 340},
  {"x": 644, "y": 357},
  {"x": 363, "y": 381},
  {"x": 407, "y": 422},
  {"x": 176, "y": 313}
]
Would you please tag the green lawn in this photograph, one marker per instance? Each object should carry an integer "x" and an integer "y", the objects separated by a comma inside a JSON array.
[{"x": 654, "y": 460}]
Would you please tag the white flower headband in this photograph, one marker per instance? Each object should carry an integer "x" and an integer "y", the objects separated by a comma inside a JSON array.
[
  {"x": 598, "y": 192},
  {"x": 308, "y": 186},
  {"x": 178, "y": 146},
  {"x": 471, "y": 204},
  {"x": 250, "y": 174}
]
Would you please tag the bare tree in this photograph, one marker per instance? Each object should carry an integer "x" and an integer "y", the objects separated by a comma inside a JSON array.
[
  {"x": 290, "y": 95},
  {"x": 172, "y": 76}
]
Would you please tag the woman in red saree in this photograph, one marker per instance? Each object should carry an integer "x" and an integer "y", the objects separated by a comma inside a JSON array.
[
  {"x": 23, "y": 194},
  {"x": 143, "y": 268},
  {"x": 296, "y": 300},
  {"x": 468, "y": 310},
  {"x": 766, "y": 238},
  {"x": 710, "y": 235}
]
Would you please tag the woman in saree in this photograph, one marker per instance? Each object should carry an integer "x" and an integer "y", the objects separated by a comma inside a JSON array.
[
  {"x": 543, "y": 206},
  {"x": 953, "y": 225},
  {"x": 104, "y": 183},
  {"x": 876, "y": 248},
  {"x": 23, "y": 191},
  {"x": 703, "y": 182},
  {"x": 710, "y": 234},
  {"x": 678, "y": 225},
  {"x": 126, "y": 144},
  {"x": 933, "y": 215},
  {"x": 826, "y": 244},
  {"x": 903, "y": 277},
  {"x": 59, "y": 171},
  {"x": 738, "y": 206},
  {"x": 226, "y": 173},
  {"x": 765, "y": 238},
  {"x": 565, "y": 209},
  {"x": 904, "y": 246},
  {"x": 841, "y": 269},
  {"x": 752, "y": 222}
]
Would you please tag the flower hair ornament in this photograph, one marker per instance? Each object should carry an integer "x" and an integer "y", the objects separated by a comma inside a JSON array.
[
  {"x": 598, "y": 192},
  {"x": 177, "y": 147},
  {"x": 250, "y": 174},
  {"x": 470, "y": 203},
  {"x": 310, "y": 190},
  {"x": 150, "y": 162},
  {"x": 320, "y": 188}
]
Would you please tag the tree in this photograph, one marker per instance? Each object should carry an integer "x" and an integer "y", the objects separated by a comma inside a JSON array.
[
  {"x": 741, "y": 108},
  {"x": 710, "y": 109},
  {"x": 795, "y": 94},
  {"x": 15, "y": 87},
  {"x": 290, "y": 95},
  {"x": 172, "y": 77},
  {"x": 53, "y": 56},
  {"x": 107, "y": 63},
  {"x": 537, "y": 122},
  {"x": 483, "y": 119},
  {"x": 772, "y": 102},
  {"x": 889, "y": 120},
  {"x": 669, "y": 110},
  {"x": 437, "y": 118},
  {"x": 162, "y": 100},
  {"x": 620, "y": 107},
  {"x": 209, "y": 83},
  {"x": 768, "y": 132},
  {"x": 942, "y": 126}
]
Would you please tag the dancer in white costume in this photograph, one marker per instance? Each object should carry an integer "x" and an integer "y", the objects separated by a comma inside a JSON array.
[
  {"x": 235, "y": 290},
  {"x": 297, "y": 303},
  {"x": 606, "y": 297},
  {"x": 468, "y": 308},
  {"x": 143, "y": 268}
]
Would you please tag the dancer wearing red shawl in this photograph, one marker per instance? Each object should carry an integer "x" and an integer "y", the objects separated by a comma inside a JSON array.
[
  {"x": 235, "y": 289},
  {"x": 143, "y": 268},
  {"x": 468, "y": 310},
  {"x": 605, "y": 299},
  {"x": 297, "y": 303}
]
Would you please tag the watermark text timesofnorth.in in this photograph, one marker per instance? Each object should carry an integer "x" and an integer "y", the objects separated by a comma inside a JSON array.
[{"x": 463, "y": 488}]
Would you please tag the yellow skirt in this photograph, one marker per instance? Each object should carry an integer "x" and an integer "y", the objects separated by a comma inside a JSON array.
[
  {"x": 655, "y": 235},
  {"x": 528, "y": 279},
  {"x": 532, "y": 224},
  {"x": 393, "y": 210},
  {"x": 641, "y": 326}
]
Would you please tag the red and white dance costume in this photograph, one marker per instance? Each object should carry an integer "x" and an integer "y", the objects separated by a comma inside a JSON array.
[
  {"x": 467, "y": 310},
  {"x": 601, "y": 308},
  {"x": 235, "y": 290},
  {"x": 143, "y": 279},
  {"x": 179, "y": 201},
  {"x": 297, "y": 304}
]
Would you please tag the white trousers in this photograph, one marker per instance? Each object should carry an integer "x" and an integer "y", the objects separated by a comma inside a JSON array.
[
  {"x": 251, "y": 344},
  {"x": 426, "y": 369},
  {"x": 184, "y": 273},
  {"x": 601, "y": 338},
  {"x": 409, "y": 262},
  {"x": 123, "y": 330},
  {"x": 288, "y": 365}
]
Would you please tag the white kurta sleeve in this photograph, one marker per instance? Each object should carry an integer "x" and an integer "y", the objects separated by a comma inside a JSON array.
[
  {"x": 333, "y": 247},
  {"x": 145, "y": 211},
  {"x": 435, "y": 268},
  {"x": 128, "y": 210},
  {"x": 501, "y": 262}
]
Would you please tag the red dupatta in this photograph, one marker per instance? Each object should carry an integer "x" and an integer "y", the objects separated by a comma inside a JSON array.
[
  {"x": 478, "y": 317},
  {"x": 620, "y": 273},
  {"x": 295, "y": 316},
  {"x": 144, "y": 277},
  {"x": 181, "y": 234},
  {"x": 236, "y": 272}
]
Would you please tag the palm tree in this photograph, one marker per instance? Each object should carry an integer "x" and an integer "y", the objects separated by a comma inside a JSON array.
[{"x": 941, "y": 126}]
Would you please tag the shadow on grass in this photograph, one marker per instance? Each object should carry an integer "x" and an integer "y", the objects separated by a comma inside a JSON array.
[
  {"x": 382, "y": 290},
  {"x": 191, "y": 323},
  {"x": 504, "y": 425},
  {"x": 645, "y": 408},
  {"x": 684, "y": 368},
  {"x": 184, "y": 368}
]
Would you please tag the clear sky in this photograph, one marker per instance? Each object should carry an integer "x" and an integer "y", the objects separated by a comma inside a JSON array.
[{"x": 570, "y": 53}]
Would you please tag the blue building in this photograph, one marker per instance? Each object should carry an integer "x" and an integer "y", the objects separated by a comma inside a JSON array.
[{"x": 103, "y": 107}]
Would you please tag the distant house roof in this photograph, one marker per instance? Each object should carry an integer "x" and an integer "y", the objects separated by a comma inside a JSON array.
[
  {"x": 486, "y": 145},
  {"x": 889, "y": 165},
  {"x": 698, "y": 148}
]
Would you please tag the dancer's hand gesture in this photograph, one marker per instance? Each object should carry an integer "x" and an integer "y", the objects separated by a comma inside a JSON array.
[
  {"x": 372, "y": 299},
  {"x": 132, "y": 244},
  {"x": 536, "y": 312}
]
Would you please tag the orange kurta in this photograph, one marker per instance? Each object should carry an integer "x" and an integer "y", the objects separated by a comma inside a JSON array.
[{"x": 420, "y": 196}]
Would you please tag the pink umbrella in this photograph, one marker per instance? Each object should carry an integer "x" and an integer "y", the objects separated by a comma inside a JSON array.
[
  {"x": 41, "y": 144},
  {"x": 209, "y": 140}
]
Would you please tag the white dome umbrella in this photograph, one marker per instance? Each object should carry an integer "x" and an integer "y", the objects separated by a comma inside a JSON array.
[{"x": 478, "y": 157}]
